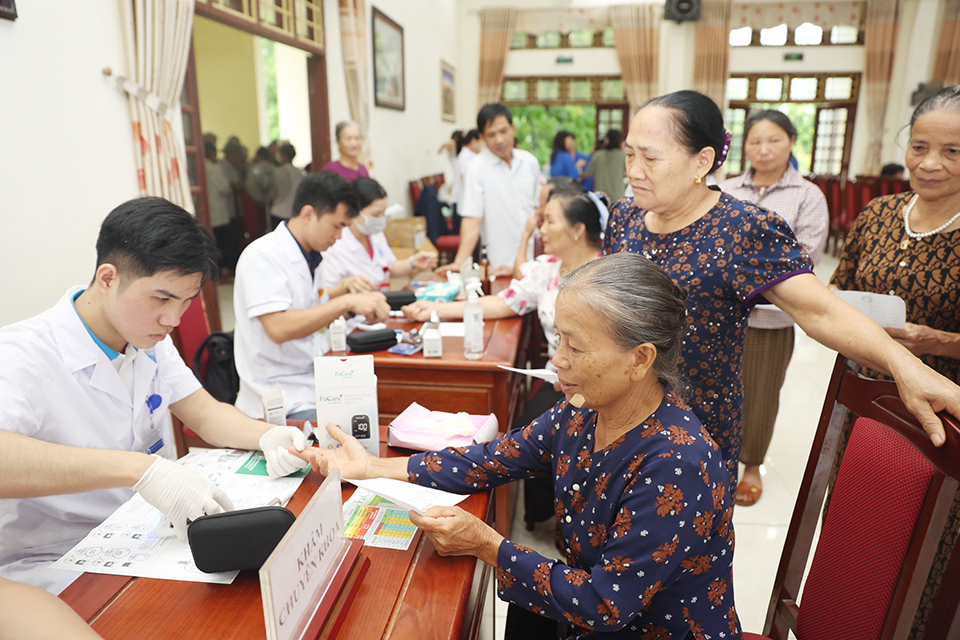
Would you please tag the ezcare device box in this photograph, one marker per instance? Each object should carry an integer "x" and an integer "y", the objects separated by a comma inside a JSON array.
[{"x": 347, "y": 396}]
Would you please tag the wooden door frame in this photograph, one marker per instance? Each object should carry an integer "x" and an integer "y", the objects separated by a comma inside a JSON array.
[{"x": 319, "y": 130}]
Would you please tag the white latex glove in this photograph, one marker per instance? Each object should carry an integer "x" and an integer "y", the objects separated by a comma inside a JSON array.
[
  {"x": 180, "y": 494},
  {"x": 274, "y": 444}
]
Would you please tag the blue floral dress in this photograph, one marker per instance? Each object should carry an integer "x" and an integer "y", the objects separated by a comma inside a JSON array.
[
  {"x": 646, "y": 522},
  {"x": 725, "y": 261}
]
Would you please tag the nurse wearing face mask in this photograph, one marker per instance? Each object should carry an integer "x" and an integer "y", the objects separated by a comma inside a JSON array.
[{"x": 361, "y": 260}]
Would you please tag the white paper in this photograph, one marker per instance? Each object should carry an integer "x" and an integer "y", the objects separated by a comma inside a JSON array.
[
  {"x": 544, "y": 374},
  {"x": 127, "y": 544},
  {"x": 412, "y": 497},
  {"x": 451, "y": 330},
  {"x": 886, "y": 310}
]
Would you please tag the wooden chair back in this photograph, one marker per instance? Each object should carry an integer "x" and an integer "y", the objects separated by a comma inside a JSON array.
[{"x": 891, "y": 499}]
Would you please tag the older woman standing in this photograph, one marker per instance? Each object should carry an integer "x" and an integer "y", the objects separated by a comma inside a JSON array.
[
  {"x": 730, "y": 255},
  {"x": 775, "y": 185},
  {"x": 908, "y": 245},
  {"x": 350, "y": 143},
  {"x": 640, "y": 490}
]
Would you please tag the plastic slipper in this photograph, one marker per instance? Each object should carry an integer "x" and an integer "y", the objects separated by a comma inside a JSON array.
[{"x": 747, "y": 494}]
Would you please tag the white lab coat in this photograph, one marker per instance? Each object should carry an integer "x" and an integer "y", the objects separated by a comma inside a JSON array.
[
  {"x": 58, "y": 386},
  {"x": 348, "y": 257},
  {"x": 272, "y": 275}
]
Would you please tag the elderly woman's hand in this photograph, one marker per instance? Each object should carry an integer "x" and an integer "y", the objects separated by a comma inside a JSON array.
[
  {"x": 919, "y": 339},
  {"x": 350, "y": 458},
  {"x": 419, "y": 310},
  {"x": 925, "y": 393},
  {"x": 454, "y": 532}
]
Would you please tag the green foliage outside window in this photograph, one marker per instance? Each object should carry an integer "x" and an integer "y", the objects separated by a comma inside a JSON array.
[
  {"x": 537, "y": 125},
  {"x": 270, "y": 81}
]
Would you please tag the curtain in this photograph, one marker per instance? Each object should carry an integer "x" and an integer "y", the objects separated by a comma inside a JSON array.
[
  {"x": 496, "y": 29},
  {"x": 711, "y": 59},
  {"x": 880, "y": 46},
  {"x": 353, "y": 39},
  {"x": 822, "y": 14},
  {"x": 946, "y": 69},
  {"x": 636, "y": 29},
  {"x": 157, "y": 44}
]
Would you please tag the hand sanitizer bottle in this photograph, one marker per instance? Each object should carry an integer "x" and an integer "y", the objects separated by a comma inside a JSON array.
[
  {"x": 473, "y": 323},
  {"x": 432, "y": 341},
  {"x": 338, "y": 334}
]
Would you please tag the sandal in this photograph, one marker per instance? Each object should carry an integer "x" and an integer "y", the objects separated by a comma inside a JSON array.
[{"x": 747, "y": 494}]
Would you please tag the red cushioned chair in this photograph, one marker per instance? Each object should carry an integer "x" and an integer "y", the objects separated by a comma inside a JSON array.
[
  {"x": 892, "y": 495},
  {"x": 188, "y": 336}
]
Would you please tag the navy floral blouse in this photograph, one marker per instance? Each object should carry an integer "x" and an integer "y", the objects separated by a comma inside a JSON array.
[
  {"x": 725, "y": 261},
  {"x": 646, "y": 522}
]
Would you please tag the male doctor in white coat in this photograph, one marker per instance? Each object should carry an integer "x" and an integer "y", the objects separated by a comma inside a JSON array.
[
  {"x": 282, "y": 311},
  {"x": 87, "y": 388}
]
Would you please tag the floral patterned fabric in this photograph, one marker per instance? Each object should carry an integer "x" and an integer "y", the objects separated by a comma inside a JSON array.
[
  {"x": 538, "y": 290},
  {"x": 725, "y": 261},
  {"x": 646, "y": 522}
]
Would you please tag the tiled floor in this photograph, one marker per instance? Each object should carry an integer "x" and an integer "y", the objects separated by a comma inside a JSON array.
[{"x": 760, "y": 529}]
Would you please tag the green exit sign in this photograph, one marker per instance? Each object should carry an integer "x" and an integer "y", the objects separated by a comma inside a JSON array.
[
  {"x": 793, "y": 57},
  {"x": 564, "y": 59}
]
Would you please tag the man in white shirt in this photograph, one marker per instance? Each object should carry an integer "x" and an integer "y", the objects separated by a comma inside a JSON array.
[
  {"x": 501, "y": 191},
  {"x": 282, "y": 310},
  {"x": 88, "y": 387}
]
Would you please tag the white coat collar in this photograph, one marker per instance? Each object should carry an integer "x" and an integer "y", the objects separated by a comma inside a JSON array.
[
  {"x": 290, "y": 249},
  {"x": 79, "y": 352}
]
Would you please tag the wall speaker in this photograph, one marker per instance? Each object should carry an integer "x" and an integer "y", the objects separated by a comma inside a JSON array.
[{"x": 681, "y": 10}]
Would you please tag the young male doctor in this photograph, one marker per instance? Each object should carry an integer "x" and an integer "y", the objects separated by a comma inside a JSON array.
[
  {"x": 87, "y": 389},
  {"x": 281, "y": 307}
]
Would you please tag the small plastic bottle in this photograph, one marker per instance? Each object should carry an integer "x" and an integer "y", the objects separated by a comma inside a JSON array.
[
  {"x": 432, "y": 341},
  {"x": 473, "y": 323},
  {"x": 338, "y": 334},
  {"x": 484, "y": 272}
]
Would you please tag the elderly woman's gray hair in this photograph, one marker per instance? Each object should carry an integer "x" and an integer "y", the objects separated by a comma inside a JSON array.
[
  {"x": 640, "y": 304},
  {"x": 338, "y": 130}
]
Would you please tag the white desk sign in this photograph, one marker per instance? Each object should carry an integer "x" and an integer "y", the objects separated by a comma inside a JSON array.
[{"x": 295, "y": 577}]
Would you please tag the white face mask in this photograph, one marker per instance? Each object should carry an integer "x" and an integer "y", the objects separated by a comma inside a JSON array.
[{"x": 371, "y": 226}]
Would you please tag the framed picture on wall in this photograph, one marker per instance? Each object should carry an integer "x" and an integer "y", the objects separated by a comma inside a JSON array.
[
  {"x": 448, "y": 96},
  {"x": 388, "y": 76},
  {"x": 8, "y": 9}
]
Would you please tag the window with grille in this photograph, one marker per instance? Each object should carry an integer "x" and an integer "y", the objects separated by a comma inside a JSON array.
[{"x": 821, "y": 106}]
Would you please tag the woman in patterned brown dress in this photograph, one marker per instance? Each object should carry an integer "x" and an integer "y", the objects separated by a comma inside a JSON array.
[{"x": 908, "y": 245}]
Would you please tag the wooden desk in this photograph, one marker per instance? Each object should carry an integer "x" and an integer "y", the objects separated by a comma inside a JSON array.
[
  {"x": 413, "y": 594},
  {"x": 454, "y": 383}
]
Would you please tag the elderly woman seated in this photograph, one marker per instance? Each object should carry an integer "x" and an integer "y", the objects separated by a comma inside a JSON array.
[{"x": 640, "y": 490}]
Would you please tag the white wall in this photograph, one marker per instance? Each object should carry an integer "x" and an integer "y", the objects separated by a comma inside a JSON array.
[
  {"x": 66, "y": 148},
  {"x": 404, "y": 143}
]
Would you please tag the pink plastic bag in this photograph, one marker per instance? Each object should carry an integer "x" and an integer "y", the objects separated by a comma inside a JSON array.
[{"x": 420, "y": 429}]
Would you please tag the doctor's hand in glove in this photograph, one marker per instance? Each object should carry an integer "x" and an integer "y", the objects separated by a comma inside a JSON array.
[
  {"x": 454, "y": 532},
  {"x": 276, "y": 444},
  {"x": 350, "y": 458},
  {"x": 423, "y": 260},
  {"x": 180, "y": 494}
]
